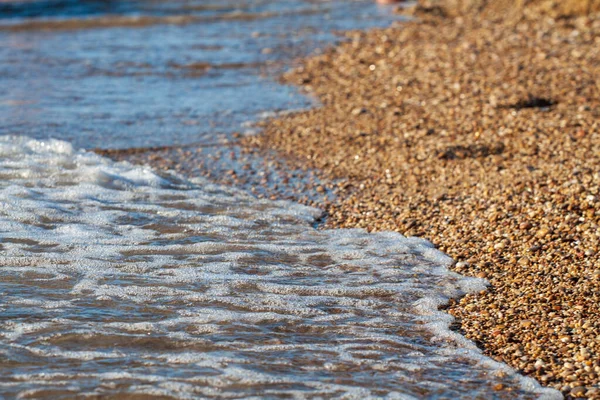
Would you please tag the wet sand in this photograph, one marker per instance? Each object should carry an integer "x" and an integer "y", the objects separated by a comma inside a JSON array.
[{"x": 483, "y": 138}]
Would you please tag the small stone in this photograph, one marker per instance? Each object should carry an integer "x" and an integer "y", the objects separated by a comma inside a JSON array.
[
  {"x": 578, "y": 391},
  {"x": 525, "y": 225},
  {"x": 524, "y": 261},
  {"x": 568, "y": 365},
  {"x": 592, "y": 392},
  {"x": 542, "y": 233},
  {"x": 499, "y": 246}
]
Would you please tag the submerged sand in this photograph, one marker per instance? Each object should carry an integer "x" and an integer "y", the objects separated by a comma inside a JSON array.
[{"x": 482, "y": 137}]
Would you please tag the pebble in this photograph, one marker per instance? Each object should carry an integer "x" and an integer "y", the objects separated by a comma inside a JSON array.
[
  {"x": 530, "y": 234},
  {"x": 485, "y": 148}
]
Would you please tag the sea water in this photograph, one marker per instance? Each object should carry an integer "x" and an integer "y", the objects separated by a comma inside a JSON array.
[
  {"x": 143, "y": 73},
  {"x": 117, "y": 281}
]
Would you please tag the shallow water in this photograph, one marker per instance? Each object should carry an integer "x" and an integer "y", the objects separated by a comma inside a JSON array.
[
  {"x": 122, "y": 74},
  {"x": 117, "y": 281}
]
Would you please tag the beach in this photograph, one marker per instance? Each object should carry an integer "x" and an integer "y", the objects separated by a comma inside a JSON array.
[
  {"x": 482, "y": 136},
  {"x": 264, "y": 243},
  {"x": 187, "y": 272}
]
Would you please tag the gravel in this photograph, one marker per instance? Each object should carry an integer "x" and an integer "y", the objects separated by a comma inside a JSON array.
[{"x": 480, "y": 136}]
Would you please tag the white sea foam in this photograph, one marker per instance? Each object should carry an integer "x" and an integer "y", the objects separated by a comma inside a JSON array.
[{"x": 117, "y": 280}]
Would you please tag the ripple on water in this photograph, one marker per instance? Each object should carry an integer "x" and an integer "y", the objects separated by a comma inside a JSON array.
[
  {"x": 117, "y": 281},
  {"x": 137, "y": 73}
]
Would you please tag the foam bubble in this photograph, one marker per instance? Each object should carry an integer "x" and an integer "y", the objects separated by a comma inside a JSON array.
[{"x": 118, "y": 280}]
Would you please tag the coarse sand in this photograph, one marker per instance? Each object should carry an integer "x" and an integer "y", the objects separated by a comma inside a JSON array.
[{"x": 482, "y": 136}]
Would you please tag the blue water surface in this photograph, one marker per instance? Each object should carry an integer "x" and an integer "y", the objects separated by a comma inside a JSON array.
[{"x": 192, "y": 73}]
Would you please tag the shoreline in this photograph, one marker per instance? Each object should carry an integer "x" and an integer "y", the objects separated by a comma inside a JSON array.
[{"x": 481, "y": 138}]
